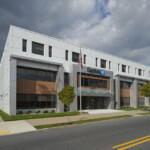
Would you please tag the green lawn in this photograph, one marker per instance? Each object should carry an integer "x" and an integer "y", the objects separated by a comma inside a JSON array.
[
  {"x": 6, "y": 117},
  {"x": 81, "y": 122},
  {"x": 143, "y": 114},
  {"x": 131, "y": 108}
]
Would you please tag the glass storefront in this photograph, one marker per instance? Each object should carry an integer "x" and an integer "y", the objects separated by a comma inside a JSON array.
[
  {"x": 141, "y": 102},
  {"x": 91, "y": 102},
  {"x": 125, "y": 101},
  {"x": 34, "y": 101}
]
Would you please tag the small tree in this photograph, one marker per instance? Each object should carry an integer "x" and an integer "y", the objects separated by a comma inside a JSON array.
[
  {"x": 67, "y": 96},
  {"x": 145, "y": 90}
]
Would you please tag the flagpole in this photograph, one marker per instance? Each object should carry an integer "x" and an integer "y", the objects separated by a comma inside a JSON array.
[{"x": 80, "y": 79}]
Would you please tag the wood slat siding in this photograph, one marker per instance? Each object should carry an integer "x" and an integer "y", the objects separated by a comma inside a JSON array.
[
  {"x": 124, "y": 92},
  {"x": 35, "y": 87},
  {"x": 91, "y": 77}
]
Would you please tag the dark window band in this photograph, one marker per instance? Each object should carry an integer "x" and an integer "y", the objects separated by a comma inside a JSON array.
[{"x": 36, "y": 75}]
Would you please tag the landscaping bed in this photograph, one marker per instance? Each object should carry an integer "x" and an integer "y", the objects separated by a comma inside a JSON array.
[{"x": 6, "y": 117}]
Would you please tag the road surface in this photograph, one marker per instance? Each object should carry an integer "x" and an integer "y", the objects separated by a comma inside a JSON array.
[{"x": 131, "y": 133}]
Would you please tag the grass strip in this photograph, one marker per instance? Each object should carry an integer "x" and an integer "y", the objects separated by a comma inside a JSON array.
[
  {"x": 131, "y": 108},
  {"x": 80, "y": 122},
  {"x": 143, "y": 114},
  {"x": 6, "y": 117}
]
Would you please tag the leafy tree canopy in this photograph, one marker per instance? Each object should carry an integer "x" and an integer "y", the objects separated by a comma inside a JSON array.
[
  {"x": 145, "y": 90},
  {"x": 67, "y": 95}
]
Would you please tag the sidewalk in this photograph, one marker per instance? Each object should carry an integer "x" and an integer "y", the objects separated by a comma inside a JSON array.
[
  {"x": 1, "y": 119},
  {"x": 13, "y": 127},
  {"x": 44, "y": 121}
]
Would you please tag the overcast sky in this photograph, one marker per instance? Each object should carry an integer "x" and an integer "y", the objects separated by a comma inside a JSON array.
[{"x": 118, "y": 27}]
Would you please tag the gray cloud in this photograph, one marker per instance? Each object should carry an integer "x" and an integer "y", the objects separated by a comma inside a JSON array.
[
  {"x": 117, "y": 27},
  {"x": 124, "y": 33}
]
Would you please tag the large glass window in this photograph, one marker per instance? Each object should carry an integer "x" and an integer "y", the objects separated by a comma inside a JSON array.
[
  {"x": 125, "y": 101},
  {"x": 21, "y": 73},
  {"x": 103, "y": 83},
  {"x": 75, "y": 57},
  {"x": 37, "y": 48},
  {"x": 30, "y": 74},
  {"x": 51, "y": 76},
  {"x": 125, "y": 85},
  {"x": 97, "y": 83},
  {"x": 141, "y": 102},
  {"x": 41, "y": 75},
  {"x": 31, "y": 101},
  {"x": 85, "y": 82},
  {"x": 91, "y": 82},
  {"x": 103, "y": 63},
  {"x": 37, "y": 75}
]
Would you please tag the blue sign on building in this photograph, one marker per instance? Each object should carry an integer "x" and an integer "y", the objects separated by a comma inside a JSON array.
[
  {"x": 97, "y": 71},
  {"x": 102, "y": 72}
]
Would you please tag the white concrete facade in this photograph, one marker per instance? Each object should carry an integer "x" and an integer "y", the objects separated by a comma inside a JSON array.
[{"x": 13, "y": 51}]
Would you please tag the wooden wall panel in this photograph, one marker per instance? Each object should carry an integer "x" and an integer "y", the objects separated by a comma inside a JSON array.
[
  {"x": 35, "y": 87},
  {"x": 140, "y": 95},
  {"x": 92, "y": 77},
  {"x": 45, "y": 87},
  {"x": 124, "y": 92},
  {"x": 26, "y": 86}
]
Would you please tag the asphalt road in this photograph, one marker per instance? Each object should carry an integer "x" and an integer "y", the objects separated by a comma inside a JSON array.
[{"x": 94, "y": 136}]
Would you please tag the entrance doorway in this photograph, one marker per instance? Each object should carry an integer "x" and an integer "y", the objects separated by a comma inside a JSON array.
[{"x": 90, "y": 102}]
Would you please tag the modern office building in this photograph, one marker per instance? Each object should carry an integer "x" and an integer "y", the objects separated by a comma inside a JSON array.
[{"x": 35, "y": 67}]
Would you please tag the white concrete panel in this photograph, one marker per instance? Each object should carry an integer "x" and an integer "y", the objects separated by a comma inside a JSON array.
[{"x": 58, "y": 53}]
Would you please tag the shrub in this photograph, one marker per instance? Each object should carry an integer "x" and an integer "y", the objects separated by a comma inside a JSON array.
[
  {"x": 45, "y": 111},
  {"x": 20, "y": 112},
  {"x": 29, "y": 112},
  {"x": 52, "y": 111},
  {"x": 38, "y": 111}
]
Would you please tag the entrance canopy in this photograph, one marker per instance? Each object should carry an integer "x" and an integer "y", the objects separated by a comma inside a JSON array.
[{"x": 94, "y": 92}]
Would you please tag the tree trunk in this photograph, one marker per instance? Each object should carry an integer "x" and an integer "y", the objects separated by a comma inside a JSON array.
[{"x": 68, "y": 115}]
